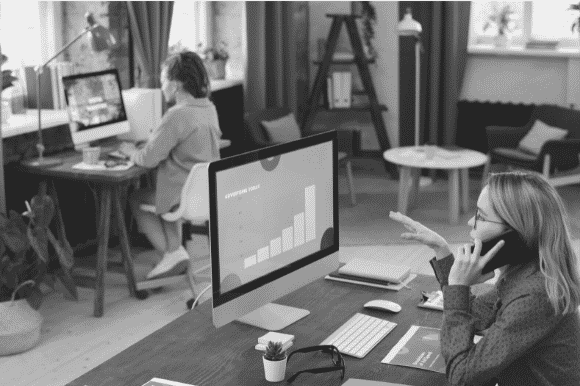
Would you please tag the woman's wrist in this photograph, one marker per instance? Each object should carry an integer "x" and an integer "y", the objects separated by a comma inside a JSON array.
[{"x": 442, "y": 252}]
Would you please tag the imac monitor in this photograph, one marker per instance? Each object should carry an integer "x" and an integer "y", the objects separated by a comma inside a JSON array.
[
  {"x": 273, "y": 228},
  {"x": 95, "y": 106}
]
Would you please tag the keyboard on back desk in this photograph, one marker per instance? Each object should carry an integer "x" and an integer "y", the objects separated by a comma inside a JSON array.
[{"x": 359, "y": 335}]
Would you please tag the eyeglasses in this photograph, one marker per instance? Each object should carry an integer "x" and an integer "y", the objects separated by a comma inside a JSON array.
[
  {"x": 478, "y": 217},
  {"x": 335, "y": 355}
]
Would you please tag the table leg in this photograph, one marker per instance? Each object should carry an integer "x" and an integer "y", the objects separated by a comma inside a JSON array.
[
  {"x": 124, "y": 242},
  {"x": 404, "y": 182},
  {"x": 103, "y": 235},
  {"x": 454, "y": 196},
  {"x": 465, "y": 190},
  {"x": 414, "y": 188}
]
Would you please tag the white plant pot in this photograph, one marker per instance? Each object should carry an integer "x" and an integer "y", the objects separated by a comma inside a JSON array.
[
  {"x": 275, "y": 371},
  {"x": 19, "y": 327},
  {"x": 502, "y": 41}
]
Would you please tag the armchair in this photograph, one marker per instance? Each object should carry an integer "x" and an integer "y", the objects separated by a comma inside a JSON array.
[
  {"x": 257, "y": 137},
  {"x": 558, "y": 160}
]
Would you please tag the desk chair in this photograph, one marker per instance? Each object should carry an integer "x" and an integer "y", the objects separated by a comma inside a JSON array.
[
  {"x": 258, "y": 137},
  {"x": 194, "y": 209}
]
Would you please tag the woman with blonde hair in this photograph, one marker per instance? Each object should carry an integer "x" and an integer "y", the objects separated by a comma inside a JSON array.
[{"x": 530, "y": 320}]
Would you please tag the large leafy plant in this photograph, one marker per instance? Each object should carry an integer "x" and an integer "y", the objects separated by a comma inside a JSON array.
[
  {"x": 7, "y": 77},
  {"x": 576, "y": 23},
  {"x": 30, "y": 251}
]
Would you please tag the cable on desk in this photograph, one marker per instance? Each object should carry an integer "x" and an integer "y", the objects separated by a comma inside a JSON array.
[{"x": 199, "y": 296}]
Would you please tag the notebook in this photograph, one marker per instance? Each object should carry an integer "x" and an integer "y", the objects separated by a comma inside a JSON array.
[{"x": 374, "y": 270}]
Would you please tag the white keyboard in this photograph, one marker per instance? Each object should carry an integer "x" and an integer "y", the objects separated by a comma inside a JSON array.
[{"x": 359, "y": 335}]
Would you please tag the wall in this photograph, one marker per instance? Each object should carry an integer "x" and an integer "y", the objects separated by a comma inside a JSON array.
[{"x": 385, "y": 72}]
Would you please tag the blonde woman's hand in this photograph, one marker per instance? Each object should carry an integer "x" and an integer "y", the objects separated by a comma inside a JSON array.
[
  {"x": 467, "y": 267},
  {"x": 419, "y": 232}
]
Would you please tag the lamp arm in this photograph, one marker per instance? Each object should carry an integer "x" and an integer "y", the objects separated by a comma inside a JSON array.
[{"x": 87, "y": 29}]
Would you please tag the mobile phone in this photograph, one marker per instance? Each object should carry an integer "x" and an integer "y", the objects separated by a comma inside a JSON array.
[{"x": 513, "y": 252}]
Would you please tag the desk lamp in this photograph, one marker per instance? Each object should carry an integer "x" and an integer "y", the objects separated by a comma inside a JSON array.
[
  {"x": 100, "y": 39},
  {"x": 411, "y": 27}
]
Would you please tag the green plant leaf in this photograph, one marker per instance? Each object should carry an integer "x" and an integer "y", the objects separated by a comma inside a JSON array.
[
  {"x": 13, "y": 232},
  {"x": 67, "y": 281},
  {"x": 42, "y": 209},
  {"x": 39, "y": 242},
  {"x": 65, "y": 258},
  {"x": 35, "y": 298},
  {"x": 9, "y": 277}
]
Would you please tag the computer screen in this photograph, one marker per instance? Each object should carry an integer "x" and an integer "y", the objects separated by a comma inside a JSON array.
[
  {"x": 273, "y": 226},
  {"x": 95, "y": 106}
]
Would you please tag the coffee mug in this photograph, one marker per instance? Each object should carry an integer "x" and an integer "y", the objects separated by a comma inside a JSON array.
[{"x": 91, "y": 155}]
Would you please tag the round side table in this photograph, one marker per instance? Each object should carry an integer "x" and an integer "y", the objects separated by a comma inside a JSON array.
[{"x": 458, "y": 162}]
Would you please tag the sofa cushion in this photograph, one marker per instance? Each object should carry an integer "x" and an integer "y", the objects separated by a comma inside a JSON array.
[
  {"x": 284, "y": 129},
  {"x": 539, "y": 134}
]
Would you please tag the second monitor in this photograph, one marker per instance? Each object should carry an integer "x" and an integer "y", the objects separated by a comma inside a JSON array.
[{"x": 273, "y": 228}]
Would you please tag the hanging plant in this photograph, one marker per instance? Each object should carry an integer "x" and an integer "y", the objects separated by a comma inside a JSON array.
[{"x": 369, "y": 19}]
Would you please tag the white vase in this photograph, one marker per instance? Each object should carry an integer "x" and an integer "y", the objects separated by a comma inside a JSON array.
[
  {"x": 19, "y": 327},
  {"x": 275, "y": 371},
  {"x": 502, "y": 41}
]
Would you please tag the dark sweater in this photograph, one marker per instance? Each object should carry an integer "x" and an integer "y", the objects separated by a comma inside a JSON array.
[{"x": 524, "y": 342}]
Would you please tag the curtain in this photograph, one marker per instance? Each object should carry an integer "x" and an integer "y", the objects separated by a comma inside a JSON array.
[
  {"x": 150, "y": 24},
  {"x": 278, "y": 58},
  {"x": 443, "y": 61}
]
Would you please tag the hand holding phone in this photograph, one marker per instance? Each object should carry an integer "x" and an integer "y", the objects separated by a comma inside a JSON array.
[{"x": 513, "y": 252}]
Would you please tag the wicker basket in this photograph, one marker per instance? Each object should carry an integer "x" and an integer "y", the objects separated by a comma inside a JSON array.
[{"x": 19, "y": 327}]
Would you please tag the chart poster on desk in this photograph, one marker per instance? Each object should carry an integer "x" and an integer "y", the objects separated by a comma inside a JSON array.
[
  {"x": 165, "y": 382},
  {"x": 418, "y": 348}
]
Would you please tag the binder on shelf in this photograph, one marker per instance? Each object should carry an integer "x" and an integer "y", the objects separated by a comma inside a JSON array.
[
  {"x": 336, "y": 90},
  {"x": 346, "y": 88}
]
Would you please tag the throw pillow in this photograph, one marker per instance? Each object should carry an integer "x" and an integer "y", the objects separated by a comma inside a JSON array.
[
  {"x": 539, "y": 134},
  {"x": 284, "y": 129}
]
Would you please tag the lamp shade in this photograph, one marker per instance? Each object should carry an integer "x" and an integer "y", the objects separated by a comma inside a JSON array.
[
  {"x": 99, "y": 37},
  {"x": 409, "y": 26}
]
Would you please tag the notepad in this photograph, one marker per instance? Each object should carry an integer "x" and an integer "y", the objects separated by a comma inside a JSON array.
[
  {"x": 165, "y": 382},
  {"x": 374, "y": 270}
]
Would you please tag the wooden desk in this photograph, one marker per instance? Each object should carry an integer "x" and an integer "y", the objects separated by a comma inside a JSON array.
[
  {"x": 191, "y": 350},
  {"x": 110, "y": 185}
]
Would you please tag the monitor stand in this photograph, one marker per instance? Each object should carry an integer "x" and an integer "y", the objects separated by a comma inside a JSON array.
[{"x": 273, "y": 317}]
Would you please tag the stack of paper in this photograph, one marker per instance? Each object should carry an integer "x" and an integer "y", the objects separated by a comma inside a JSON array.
[{"x": 287, "y": 340}]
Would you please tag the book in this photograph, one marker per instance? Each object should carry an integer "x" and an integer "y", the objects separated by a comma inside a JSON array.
[
  {"x": 420, "y": 348},
  {"x": 336, "y": 90},
  {"x": 369, "y": 282},
  {"x": 164, "y": 382},
  {"x": 328, "y": 100},
  {"x": 346, "y": 88},
  {"x": 275, "y": 337},
  {"x": 376, "y": 270}
]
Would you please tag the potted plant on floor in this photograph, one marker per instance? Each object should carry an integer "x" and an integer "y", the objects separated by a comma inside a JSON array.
[
  {"x": 30, "y": 256},
  {"x": 275, "y": 362}
]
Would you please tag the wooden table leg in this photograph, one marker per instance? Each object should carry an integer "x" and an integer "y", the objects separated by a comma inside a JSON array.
[
  {"x": 465, "y": 190},
  {"x": 404, "y": 185},
  {"x": 124, "y": 242},
  {"x": 454, "y": 196},
  {"x": 103, "y": 236},
  {"x": 414, "y": 187}
]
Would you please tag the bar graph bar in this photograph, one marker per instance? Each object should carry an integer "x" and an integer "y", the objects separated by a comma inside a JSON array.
[
  {"x": 287, "y": 239},
  {"x": 249, "y": 261},
  {"x": 299, "y": 229},
  {"x": 263, "y": 254},
  {"x": 275, "y": 246},
  {"x": 310, "y": 212}
]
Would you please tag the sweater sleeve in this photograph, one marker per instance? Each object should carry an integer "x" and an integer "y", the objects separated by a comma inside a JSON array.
[
  {"x": 482, "y": 308},
  {"x": 162, "y": 140},
  {"x": 524, "y": 321}
]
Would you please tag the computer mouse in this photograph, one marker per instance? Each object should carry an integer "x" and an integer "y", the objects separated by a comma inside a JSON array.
[{"x": 383, "y": 305}]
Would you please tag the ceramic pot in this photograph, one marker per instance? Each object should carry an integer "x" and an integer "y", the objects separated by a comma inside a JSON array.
[
  {"x": 19, "y": 327},
  {"x": 275, "y": 371},
  {"x": 502, "y": 41}
]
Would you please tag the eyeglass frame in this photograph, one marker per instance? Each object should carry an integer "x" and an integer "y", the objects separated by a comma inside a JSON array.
[
  {"x": 478, "y": 217},
  {"x": 330, "y": 349}
]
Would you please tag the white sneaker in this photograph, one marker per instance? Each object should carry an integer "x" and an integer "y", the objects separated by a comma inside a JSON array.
[{"x": 173, "y": 264}]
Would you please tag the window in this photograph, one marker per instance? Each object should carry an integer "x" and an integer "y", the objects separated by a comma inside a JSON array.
[
  {"x": 189, "y": 26},
  {"x": 20, "y": 33},
  {"x": 533, "y": 20}
]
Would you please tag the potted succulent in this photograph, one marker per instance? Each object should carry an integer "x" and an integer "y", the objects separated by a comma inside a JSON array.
[
  {"x": 215, "y": 59},
  {"x": 504, "y": 20},
  {"x": 30, "y": 256},
  {"x": 275, "y": 362}
]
